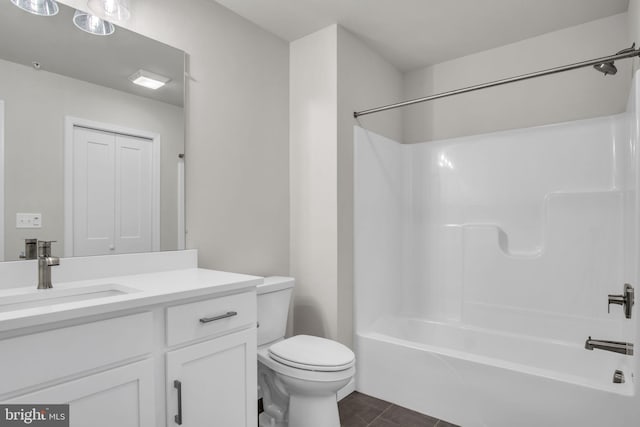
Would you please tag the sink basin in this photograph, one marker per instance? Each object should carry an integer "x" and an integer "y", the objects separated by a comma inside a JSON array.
[{"x": 47, "y": 297}]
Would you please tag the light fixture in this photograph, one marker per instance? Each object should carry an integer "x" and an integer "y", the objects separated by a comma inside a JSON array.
[
  {"x": 38, "y": 7},
  {"x": 112, "y": 10},
  {"x": 148, "y": 79},
  {"x": 92, "y": 24}
]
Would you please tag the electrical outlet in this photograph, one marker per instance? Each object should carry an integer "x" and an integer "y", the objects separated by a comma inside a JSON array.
[{"x": 28, "y": 220}]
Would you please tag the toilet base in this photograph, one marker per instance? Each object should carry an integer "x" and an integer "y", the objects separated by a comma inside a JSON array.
[{"x": 313, "y": 411}]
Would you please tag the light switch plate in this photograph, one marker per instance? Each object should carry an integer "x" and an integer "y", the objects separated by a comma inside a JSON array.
[{"x": 28, "y": 220}]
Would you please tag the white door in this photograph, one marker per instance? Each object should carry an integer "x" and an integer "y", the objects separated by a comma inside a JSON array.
[
  {"x": 112, "y": 193},
  {"x": 217, "y": 381},
  {"x": 122, "y": 397}
]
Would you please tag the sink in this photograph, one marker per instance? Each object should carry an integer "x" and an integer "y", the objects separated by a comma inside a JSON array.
[{"x": 47, "y": 297}]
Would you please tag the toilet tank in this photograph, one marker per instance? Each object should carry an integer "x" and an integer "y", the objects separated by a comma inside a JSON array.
[{"x": 274, "y": 296}]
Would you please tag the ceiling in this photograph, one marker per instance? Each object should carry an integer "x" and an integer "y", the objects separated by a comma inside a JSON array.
[
  {"x": 59, "y": 47},
  {"x": 415, "y": 33}
]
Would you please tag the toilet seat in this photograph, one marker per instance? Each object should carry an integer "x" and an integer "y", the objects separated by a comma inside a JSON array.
[
  {"x": 312, "y": 354},
  {"x": 314, "y": 376}
]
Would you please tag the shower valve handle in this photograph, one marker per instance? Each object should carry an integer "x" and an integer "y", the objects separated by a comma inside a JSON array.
[{"x": 626, "y": 300}]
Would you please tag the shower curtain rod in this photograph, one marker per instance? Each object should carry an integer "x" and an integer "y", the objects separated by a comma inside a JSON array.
[{"x": 623, "y": 54}]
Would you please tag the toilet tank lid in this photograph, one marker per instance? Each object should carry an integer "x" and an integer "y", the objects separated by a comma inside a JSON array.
[{"x": 275, "y": 283}]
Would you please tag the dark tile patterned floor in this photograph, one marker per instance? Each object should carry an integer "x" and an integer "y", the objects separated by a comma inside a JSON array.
[{"x": 360, "y": 410}]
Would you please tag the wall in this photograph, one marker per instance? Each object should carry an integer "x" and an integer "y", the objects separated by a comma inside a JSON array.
[
  {"x": 562, "y": 97},
  {"x": 34, "y": 166},
  {"x": 332, "y": 74},
  {"x": 237, "y": 132},
  {"x": 313, "y": 169},
  {"x": 633, "y": 17}
]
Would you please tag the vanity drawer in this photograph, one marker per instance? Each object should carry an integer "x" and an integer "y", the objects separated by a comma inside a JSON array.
[
  {"x": 34, "y": 359},
  {"x": 215, "y": 316}
]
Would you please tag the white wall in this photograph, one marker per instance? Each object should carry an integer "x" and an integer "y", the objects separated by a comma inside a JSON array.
[
  {"x": 332, "y": 74},
  {"x": 313, "y": 180},
  {"x": 36, "y": 103},
  {"x": 633, "y": 16},
  {"x": 568, "y": 96},
  {"x": 237, "y": 132}
]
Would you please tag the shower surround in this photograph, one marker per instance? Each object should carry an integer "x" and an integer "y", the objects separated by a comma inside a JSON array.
[{"x": 483, "y": 263}]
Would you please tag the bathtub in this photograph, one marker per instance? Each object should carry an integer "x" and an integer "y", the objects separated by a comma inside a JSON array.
[{"x": 478, "y": 377}]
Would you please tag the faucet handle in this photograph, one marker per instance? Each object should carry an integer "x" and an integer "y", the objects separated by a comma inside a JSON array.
[
  {"x": 626, "y": 300},
  {"x": 44, "y": 247}
]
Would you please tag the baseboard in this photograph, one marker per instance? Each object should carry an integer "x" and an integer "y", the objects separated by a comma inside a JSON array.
[{"x": 347, "y": 390}]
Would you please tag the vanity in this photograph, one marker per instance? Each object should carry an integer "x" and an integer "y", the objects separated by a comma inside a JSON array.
[
  {"x": 132, "y": 332},
  {"x": 145, "y": 348}
]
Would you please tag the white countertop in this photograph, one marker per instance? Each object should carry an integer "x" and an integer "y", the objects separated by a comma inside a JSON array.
[{"x": 148, "y": 289}]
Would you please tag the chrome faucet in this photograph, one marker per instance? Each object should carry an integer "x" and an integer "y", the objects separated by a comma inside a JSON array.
[
  {"x": 615, "y": 346},
  {"x": 625, "y": 300},
  {"x": 45, "y": 262}
]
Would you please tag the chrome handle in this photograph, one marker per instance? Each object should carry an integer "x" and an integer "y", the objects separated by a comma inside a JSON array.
[
  {"x": 626, "y": 300},
  {"x": 222, "y": 316},
  {"x": 178, "y": 418}
]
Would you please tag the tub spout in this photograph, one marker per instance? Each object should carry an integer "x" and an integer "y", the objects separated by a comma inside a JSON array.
[{"x": 615, "y": 346}]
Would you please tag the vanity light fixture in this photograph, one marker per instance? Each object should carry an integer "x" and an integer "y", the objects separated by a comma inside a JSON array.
[
  {"x": 38, "y": 7},
  {"x": 112, "y": 10},
  {"x": 92, "y": 24},
  {"x": 148, "y": 79}
]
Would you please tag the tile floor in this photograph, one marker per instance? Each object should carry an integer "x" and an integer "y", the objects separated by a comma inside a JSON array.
[{"x": 360, "y": 410}]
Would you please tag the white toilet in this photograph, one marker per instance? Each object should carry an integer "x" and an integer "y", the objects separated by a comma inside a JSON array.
[{"x": 298, "y": 377}]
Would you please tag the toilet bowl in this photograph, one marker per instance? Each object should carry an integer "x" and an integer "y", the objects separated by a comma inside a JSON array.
[{"x": 298, "y": 377}]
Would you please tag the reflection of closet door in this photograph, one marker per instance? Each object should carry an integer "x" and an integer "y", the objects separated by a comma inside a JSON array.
[{"x": 112, "y": 193}]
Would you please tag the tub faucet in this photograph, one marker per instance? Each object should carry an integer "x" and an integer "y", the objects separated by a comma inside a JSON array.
[
  {"x": 45, "y": 262},
  {"x": 615, "y": 346},
  {"x": 625, "y": 300}
]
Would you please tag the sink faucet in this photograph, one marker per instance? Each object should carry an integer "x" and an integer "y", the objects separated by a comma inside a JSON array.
[
  {"x": 45, "y": 262},
  {"x": 615, "y": 346}
]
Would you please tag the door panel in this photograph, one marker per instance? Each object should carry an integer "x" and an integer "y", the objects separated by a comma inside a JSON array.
[
  {"x": 122, "y": 397},
  {"x": 218, "y": 382},
  {"x": 133, "y": 195},
  {"x": 93, "y": 192}
]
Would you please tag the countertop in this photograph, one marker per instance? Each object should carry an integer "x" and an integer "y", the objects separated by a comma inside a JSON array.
[{"x": 147, "y": 289}]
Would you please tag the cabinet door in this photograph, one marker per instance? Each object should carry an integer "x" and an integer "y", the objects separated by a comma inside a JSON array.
[
  {"x": 218, "y": 382},
  {"x": 122, "y": 397}
]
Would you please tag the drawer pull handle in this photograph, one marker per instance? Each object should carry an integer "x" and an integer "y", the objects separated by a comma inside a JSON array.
[
  {"x": 178, "y": 418},
  {"x": 222, "y": 316}
]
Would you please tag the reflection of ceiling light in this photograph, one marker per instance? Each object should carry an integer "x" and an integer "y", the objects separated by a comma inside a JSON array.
[
  {"x": 92, "y": 24},
  {"x": 38, "y": 7},
  {"x": 148, "y": 79},
  {"x": 113, "y": 10}
]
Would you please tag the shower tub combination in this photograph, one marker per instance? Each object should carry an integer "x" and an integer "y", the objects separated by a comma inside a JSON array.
[{"x": 484, "y": 263}]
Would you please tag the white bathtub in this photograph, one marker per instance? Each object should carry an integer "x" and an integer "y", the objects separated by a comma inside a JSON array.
[{"x": 477, "y": 377}]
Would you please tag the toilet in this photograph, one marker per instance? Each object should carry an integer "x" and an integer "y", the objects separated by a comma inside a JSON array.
[{"x": 298, "y": 377}]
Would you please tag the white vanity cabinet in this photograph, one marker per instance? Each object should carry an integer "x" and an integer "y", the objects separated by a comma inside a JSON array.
[
  {"x": 122, "y": 397},
  {"x": 213, "y": 382},
  {"x": 102, "y": 369},
  {"x": 124, "y": 368}
]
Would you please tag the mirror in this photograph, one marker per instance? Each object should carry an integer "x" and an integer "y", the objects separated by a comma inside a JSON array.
[{"x": 91, "y": 160}]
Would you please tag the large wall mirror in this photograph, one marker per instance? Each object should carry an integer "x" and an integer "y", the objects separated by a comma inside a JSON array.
[{"x": 91, "y": 160}]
